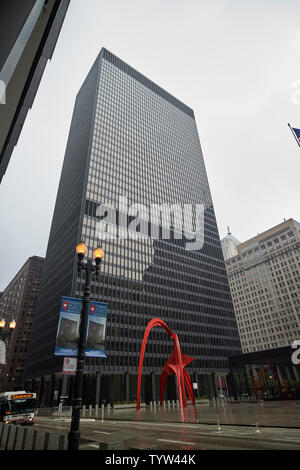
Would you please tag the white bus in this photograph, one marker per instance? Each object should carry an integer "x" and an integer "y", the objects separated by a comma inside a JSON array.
[{"x": 17, "y": 408}]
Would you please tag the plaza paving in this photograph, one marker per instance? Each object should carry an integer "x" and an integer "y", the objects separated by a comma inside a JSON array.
[{"x": 272, "y": 413}]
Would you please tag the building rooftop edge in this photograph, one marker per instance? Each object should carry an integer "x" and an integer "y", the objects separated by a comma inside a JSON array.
[
  {"x": 268, "y": 232},
  {"x": 116, "y": 61},
  {"x": 33, "y": 257}
]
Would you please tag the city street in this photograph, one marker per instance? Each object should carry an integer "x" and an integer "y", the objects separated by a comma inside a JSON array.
[{"x": 123, "y": 426}]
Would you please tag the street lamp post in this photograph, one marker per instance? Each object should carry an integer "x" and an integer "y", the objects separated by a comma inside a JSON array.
[
  {"x": 5, "y": 333},
  {"x": 12, "y": 325},
  {"x": 89, "y": 268},
  {"x": 2, "y": 348}
]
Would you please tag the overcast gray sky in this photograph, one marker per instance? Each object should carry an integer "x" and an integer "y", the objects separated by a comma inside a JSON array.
[{"x": 234, "y": 62}]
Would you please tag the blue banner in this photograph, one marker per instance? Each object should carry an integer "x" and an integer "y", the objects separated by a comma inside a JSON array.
[
  {"x": 96, "y": 329},
  {"x": 68, "y": 328}
]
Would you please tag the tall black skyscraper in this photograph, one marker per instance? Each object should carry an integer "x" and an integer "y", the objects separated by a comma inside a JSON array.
[{"x": 130, "y": 138}]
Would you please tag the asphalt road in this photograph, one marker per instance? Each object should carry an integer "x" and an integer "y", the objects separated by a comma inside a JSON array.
[{"x": 175, "y": 436}]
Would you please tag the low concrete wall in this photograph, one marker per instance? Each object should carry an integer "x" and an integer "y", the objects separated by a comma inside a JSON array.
[{"x": 15, "y": 437}]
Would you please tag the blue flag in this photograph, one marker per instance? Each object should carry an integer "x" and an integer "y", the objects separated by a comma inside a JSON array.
[{"x": 297, "y": 133}]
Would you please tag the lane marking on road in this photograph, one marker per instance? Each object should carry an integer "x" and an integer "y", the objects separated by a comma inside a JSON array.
[
  {"x": 269, "y": 438},
  {"x": 52, "y": 427},
  {"x": 177, "y": 442},
  {"x": 228, "y": 433},
  {"x": 102, "y": 432},
  {"x": 231, "y": 434},
  {"x": 157, "y": 424},
  {"x": 287, "y": 439}
]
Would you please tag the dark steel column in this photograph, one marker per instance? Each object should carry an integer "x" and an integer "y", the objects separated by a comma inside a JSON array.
[
  {"x": 127, "y": 386},
  {"x": 153, "y": 387},
  {"x": 98, "y": 388}
]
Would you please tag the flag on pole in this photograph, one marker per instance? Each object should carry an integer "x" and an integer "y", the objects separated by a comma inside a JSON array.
[{"x": 296, "y": 133}]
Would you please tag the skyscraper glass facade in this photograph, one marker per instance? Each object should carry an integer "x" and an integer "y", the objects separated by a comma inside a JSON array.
[{"x": 130, "y": 139}]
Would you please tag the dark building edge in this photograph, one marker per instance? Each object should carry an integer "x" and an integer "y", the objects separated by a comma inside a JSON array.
[{"x": 34, "y": 78}]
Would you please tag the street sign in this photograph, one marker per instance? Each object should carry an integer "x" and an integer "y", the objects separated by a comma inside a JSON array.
[{"x": 70, "y": 365}]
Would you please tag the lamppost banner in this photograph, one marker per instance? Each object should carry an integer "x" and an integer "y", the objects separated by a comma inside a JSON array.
[
  {"x": 95, "y": 335},
  {"x": 68, "y": 328}
]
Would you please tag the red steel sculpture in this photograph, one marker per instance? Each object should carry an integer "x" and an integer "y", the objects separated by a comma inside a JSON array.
[{"x": 174, "y": 365}]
